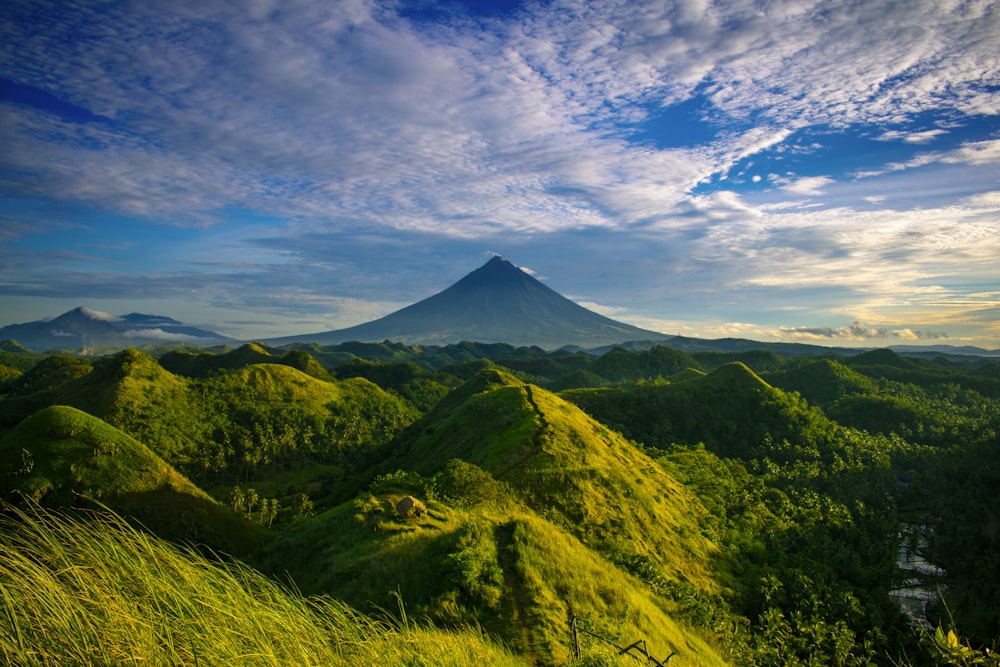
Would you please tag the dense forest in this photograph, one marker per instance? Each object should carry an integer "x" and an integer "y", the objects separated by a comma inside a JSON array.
[{"x": 546, "y": 508}]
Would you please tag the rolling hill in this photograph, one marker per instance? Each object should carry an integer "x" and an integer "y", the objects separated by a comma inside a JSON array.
[
  {"x": 679, "y": 499},
  {"x": 229, "y": 425},
  {"x": 731, "y": 410},
  {"x": 61, "y": 456},
  {"x": 531, "y": 512}
]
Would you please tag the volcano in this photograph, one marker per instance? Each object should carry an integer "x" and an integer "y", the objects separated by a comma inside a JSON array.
[
  {"x": 86, "y": 329},
  {"x": 496, "y": 303}
]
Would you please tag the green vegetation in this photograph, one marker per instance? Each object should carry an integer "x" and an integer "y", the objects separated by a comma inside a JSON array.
[
  {"x": 203, "y": 364},
  {"x": 99, "y": 592},
  {"x": 523, "y": 493},
  {"x": 478, "y": 559},
  {"x": 233, "y": 427},
  {"x": 47, "y": 373},
  {"x": 61, "y": 456},
  {"x": 737, "y": 508},
  {"x": 62, "y": 452}
]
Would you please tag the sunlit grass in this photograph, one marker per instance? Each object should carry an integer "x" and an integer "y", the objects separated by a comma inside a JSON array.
[{"x": 100, "y": 592}]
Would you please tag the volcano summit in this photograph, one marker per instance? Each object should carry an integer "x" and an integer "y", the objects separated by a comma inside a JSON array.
[{"x": 496, "y": 303}]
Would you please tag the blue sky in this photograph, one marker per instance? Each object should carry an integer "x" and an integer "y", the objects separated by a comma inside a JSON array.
[{"x": 819, "y": 172}]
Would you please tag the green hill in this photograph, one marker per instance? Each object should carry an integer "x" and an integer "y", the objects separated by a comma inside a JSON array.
[
  {"x": 823, "y": 381},
  {"x": 203, "y": 364},
  {"x": 50, "y": 372},
  {"x": 8, "y": 376},
  {"x": 15, "y": 355},
  {"x": 234, "y": 424},
  {"x": 487, "y": 562},
  {"x": 531, "y": 512},
  {"x": 750, "y": 514},
  {"x": 731, "y": 410},
  {"x": 561, "y": 461},
  {"x": 880, "y": 357},
  {"x": 927, "y": 404},
  {"x": 619, "y": 365},
  {"x": 64, "y": 457}
]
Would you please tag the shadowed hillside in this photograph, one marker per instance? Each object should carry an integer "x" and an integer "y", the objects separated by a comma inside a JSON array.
[
  {"x": 731, "y": 410},
  {"x": 203, "y": 364},
  {"x": 61, "y": 456}
]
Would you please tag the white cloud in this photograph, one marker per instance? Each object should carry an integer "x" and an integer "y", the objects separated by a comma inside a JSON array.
[
  {"x": 166, "y": 336},
  {"x": 607, "y": 311},
  {"x": 974, "y": 153},
  {"x": 808, "y": 185},
  {"x": 912, "y": 137},
  {"x": 346, "y": 110},
  {"x": 986, "y": 200}
]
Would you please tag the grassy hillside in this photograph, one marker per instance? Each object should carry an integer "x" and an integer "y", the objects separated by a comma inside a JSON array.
[
  {"x": 130, "y": 391},
  {"x": 564, "y": 463},
  {"x": 203, "y": 364},
  {"x": 14, "y": 355},
  {"x": 804, "y": 506},
  {"x": 99, "y": 593},
  {"x": 484, "y": 560},
  {"x": 266, "y": 418},
  {"x": 731, "y": 410},
  {"x": 61, "y": 451},
  {"x": 823, "y": 381},
  {"x": 938, "y": 413},
  {"x": 732, "y": 517},
  {"x": 62, "y": 456},
  {"x": 531, "y": 512},
  {"x": 232, "y": 426},
  {"x": 47, "y": 373}
]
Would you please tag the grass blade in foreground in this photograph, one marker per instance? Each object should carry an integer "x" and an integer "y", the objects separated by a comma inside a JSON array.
[{"x": 100, "y": 592}]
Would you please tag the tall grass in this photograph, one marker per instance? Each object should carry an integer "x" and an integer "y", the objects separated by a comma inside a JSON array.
[{"x": 99, "y": 592}]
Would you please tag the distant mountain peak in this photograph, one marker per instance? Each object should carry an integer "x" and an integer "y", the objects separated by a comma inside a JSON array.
[
  {"x": 496, "y": 303},
  {"x": 85, "y": 329}
]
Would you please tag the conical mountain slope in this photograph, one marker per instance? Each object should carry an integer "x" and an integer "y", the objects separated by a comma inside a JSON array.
[{"x": 496, "y": 303}]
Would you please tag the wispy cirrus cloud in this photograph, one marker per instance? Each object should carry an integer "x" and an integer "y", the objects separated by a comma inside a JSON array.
[
  {"x": 349, "y": 110},
  {"x": 972, "y": 153}
]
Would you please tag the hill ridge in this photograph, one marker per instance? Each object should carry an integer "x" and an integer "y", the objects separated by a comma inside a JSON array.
[{"x": 556, "y": 456}]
